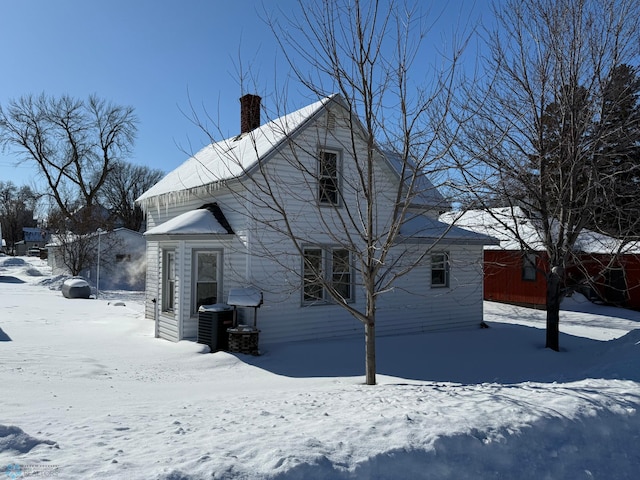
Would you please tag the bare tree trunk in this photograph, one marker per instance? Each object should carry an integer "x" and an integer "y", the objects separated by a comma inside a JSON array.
[
  {"x": 370, "y": 351},
  {"x": 554, "y": 297},
  {"x": 546, "y": 122}
]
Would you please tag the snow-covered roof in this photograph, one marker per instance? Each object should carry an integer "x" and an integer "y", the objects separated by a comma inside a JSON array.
[
  {"x": 510, "y": 224},
  {"x": 58, "y": 239},
  {"x": 231, "y": 158},
  {"x": 194, "y": 222},
  {"x": 421, "y": 228}
]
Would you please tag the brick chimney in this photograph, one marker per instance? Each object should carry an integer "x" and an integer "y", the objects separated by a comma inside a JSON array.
[{"x": 249, "y": 113}]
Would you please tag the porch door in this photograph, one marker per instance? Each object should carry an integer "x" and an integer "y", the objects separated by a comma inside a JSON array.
[{"x": 206, "y": 282}]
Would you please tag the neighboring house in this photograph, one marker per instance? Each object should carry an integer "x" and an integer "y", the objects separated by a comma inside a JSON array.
[
  {"x": 122, "y": 259},
  {"x": 607, "y": 270},
  {"x": 204, "y": 237},
  {"x": 33, "y": 237}
]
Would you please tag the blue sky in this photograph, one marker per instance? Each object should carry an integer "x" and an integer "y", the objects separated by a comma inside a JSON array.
[{"x": 157, "y": 56}]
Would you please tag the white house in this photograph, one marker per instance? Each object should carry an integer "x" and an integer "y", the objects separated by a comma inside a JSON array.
[
  {"x": 122, "y": 259},
  {"x": 214, "y": 224}
]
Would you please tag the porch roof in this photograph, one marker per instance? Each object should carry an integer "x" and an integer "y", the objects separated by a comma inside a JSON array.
[
  {"x": 194, "y": 222},
  {"x": 422, "y": 228}
]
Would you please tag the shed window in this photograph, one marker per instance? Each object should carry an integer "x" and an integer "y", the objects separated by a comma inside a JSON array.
[
  {"x": 439, "y": 270},
  {"x": 529, "y": 267},
  {"x": 168, "y": 280},
  {"x": 328, "y": 178}
]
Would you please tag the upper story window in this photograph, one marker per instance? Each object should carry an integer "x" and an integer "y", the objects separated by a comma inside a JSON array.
[
  {"x": 439, "y": 269},
  {"x": 328, "y": 177}
]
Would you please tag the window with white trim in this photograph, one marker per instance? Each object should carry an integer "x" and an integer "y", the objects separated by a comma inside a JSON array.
[
  {"x": 312, "y": 275},
  {"x": 206, "y": 274},
  {"x": 439, "y": 269},
  {"x": 328, "y": 177},
  {"x": 168, "y": 280},
  {"x": 325, "y": 268}
]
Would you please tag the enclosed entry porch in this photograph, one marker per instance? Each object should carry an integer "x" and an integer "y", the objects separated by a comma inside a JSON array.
[{"x": 193, "y": 254}]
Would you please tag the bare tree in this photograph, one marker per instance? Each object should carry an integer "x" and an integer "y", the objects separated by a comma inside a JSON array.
[
  {"x": 73, "y": 143},
  {"x": 17, "y": 205},
  {"x": 124, "y": 183},
  {"x": 367, "y": 53},
  {"x": 539, "y": 133}
]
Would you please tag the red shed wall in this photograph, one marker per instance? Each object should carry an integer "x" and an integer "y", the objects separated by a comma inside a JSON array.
[
  {"x": 503, "y": 280},
  {"x": 619, "y": 287}
]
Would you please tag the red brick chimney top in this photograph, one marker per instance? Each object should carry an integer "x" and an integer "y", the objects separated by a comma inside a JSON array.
[{"x": 249, "y": 112}]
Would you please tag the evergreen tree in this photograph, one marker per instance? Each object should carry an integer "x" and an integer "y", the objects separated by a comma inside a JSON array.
[{"x": 619, "y": 134}]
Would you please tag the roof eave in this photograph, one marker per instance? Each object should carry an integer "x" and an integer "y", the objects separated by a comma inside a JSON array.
[
  {"x": 446, "y": 240},
  {"x": 165, "y": 237}
]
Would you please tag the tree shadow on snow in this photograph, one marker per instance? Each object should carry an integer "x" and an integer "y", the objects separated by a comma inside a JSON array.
[
  {"x": 4, "y": 337},
  {"x": 501, "y": 354}
]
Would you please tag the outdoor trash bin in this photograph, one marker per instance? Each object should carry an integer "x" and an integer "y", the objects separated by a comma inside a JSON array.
[
  {"x": 76, "y": 288},
  {"x": 213, "y": 322}
]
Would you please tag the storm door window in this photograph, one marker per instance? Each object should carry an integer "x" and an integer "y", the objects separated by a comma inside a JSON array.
[
  {"x": 439, "y": 270},
  {"x": 312, "y": 275},
  {"x": 205, "y": 279},
  {"x": 529, "y": 267},
  {"x": 168, "y": 280},
  {"x": 328, "y": 181}
]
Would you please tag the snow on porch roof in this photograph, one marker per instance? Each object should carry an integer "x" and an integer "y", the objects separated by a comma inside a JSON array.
[
  {"x": 232, "y": 157},
  {"x": 194, "y": 222}
]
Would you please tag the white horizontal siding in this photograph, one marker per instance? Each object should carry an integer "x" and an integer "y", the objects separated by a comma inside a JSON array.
[
  {"x": 259, "y": 255},
  {"x": 168, "y": 327},
  {"x": 413, "y": 306},
  {"x": 152, "y": 276}
]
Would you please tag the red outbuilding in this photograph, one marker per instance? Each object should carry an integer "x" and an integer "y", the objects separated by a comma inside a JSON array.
[{"x": 606, "y": 271}]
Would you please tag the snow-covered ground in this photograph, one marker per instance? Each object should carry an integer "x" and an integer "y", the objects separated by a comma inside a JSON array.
[{"x": 87, "y": 392}]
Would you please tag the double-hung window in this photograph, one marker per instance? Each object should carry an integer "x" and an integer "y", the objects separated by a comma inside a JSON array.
[
  {"x": 341, "y": 272},
  {"x": 326, "y": 269},
  {"x": 313, "y": 275},
  {"x": 439, "y": 269},
  {"x": 205, "y": 279},
  {"x": 168, "y": 280},
  {"x": 328, "y": 177}
]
